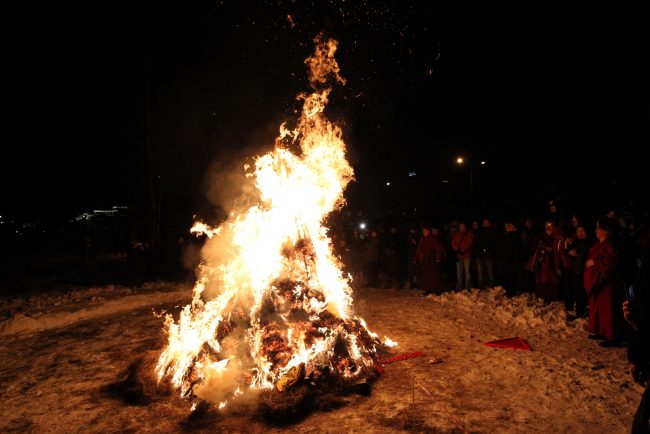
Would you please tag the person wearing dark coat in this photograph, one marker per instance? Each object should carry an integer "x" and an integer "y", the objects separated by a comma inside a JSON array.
[
  {"x": 485, "y": 240},
  {"x": 371, "y": 259},
  {"x": 635, "y": 311},
  {"x": 430, "y": 256},
  {"x": 412, "y": 240},
  {"x": 509, "y": 259},
  {"x": 391, "y": 252},
  {"x": 603, "y": 286},
  {"x": 577, "y": 252},
  {"x": 528, "y": 234}
]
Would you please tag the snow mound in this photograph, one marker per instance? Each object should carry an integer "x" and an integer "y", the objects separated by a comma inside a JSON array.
[
  {"x": 525, "y": 310},
  {"x": 35, "y": 313}
]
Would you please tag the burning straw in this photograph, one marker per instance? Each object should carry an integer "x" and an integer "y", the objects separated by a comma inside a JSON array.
[{"x": 272, "y": 310}]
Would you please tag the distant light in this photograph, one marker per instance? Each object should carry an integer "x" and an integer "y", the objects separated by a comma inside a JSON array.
[
  {"x": 482, "y": 163},
  {"x": 444, "y": 181},
  {"x": 362, "y": 225},
  {"x": 460, "y": 160},
  {"x": 412, "y": 174},
  {"x": 387, "y": 183}
]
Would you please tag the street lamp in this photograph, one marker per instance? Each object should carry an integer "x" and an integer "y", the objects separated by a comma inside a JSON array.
[{"x": 460, "y": 161}]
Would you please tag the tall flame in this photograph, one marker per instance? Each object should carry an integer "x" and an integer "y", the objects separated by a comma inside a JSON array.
[{"x": 280, "y": 308}]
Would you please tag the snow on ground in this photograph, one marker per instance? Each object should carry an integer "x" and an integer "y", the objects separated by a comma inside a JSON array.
[
  {"x": 50, "y": 380},
  {"x": 43, "y": 311}
]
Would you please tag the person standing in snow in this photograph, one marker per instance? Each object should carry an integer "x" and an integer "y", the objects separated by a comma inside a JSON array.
[
  {"x": 461, "y": 243},
  {"x": 430, "y": 256},
  {"x": 412, "y": 240},
  {"x": 578, "y": 250},
  {"x": 544, "y": 265},
  {"x": 485, "y": 240},
  {"x": 603, "y": 286},
  {"x": 508, "y": 261},
  {"x": 371, "y": 259},
  {"x": 638, "y": 354}
]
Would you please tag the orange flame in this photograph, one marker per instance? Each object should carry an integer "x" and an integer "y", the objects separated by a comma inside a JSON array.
[{"x": 271, "y": 300}]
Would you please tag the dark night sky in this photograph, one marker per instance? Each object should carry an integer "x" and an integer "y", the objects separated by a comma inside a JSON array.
[{"x": 533, "y": 88}]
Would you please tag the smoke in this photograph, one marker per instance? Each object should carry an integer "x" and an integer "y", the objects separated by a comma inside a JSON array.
[
  {"x": 271, "y": 305},
  {"x": 227, "y": 187}
]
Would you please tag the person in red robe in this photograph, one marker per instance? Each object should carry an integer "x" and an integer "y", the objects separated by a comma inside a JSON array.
[
  {"x": 544, "y": 264},
  {"x": 430, "y": 256},
  {"x": 601, "y": 281}
]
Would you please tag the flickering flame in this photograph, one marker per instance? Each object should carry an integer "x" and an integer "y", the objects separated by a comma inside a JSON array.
[
  {"x": 389, "y": 343},
  {"x": 200, "y": 228},
  {"x": 272, "y": 306}
]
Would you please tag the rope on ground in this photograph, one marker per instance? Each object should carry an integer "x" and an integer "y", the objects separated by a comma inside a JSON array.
[
  {"x": 404, "y": 356},
  {"x": 379, "y": 364},
  {"x": 455, "y": 421}
]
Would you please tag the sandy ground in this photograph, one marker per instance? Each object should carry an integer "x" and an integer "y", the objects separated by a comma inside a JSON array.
[{"x": 50, "y": 380}]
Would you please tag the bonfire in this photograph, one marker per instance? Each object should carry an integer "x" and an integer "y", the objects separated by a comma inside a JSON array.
[{"x": 272, "y": 308}]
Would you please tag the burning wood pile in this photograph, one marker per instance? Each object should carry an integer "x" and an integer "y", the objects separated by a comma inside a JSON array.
[{"x": 272, "y": 310}]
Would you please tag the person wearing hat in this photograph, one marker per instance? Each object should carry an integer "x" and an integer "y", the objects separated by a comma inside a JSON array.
[{"x": 602, "y": 283}]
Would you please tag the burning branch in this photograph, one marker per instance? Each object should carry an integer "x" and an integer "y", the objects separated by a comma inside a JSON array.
[{"x": 272, "y": 308}]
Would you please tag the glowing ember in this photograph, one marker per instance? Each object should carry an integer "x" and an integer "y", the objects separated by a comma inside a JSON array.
[{"x": 272, "y": 307}]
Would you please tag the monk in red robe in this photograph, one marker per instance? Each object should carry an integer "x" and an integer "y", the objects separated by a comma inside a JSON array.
[
  {"x": 544, "y": 264},
  {"x": 430, "y": 255},
  {"x": 603, "y": 287}
]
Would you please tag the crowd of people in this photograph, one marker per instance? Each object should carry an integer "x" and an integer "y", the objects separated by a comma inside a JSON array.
[{"x": 598, "y": 268}]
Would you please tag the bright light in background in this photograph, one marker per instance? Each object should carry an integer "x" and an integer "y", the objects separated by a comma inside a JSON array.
[
  {"x": 482, "y": 163},
  {"x": 444, "y": 181},
  {"x": 387, "y": 183},
  {"x": 412, "y": 173},
  {"x": 460, "y": 160},
  {"x": 362, "y": 225}
]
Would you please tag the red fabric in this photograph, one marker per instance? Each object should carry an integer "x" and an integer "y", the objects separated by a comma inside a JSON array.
[
  {"x": 563, "y": 259},
  {"x": 430, "y": 249},
  {"x": 514, "y": 343},
  {"x": 463, "y": 241},
  {"x": 379, "y": 368},
  {"x": 604, "y": 290},
  {"x": 544, "y": 263},
  {"x": 431, "y": 255},
  {"x": 379, "y": 364}
]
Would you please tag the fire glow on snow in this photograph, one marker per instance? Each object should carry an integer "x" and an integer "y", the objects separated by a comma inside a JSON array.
[{"x": 271, "y": 306}]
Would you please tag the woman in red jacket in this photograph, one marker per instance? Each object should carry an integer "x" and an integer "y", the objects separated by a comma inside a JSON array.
[{"x": 461, "y": 243}]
